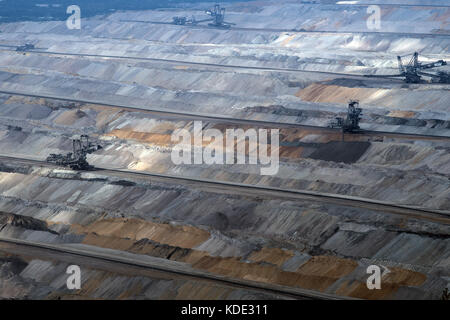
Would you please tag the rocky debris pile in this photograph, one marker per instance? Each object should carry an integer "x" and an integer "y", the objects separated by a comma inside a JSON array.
[{"x": 24, "y": 222}]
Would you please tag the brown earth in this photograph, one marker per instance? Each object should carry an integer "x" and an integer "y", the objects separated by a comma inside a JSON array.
[
  {"x": 161, "y": 240},
  {"x": 136, "y": 229}
]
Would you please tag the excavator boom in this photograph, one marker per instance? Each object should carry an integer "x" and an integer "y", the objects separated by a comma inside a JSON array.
[{"x": 412, "y": 72}]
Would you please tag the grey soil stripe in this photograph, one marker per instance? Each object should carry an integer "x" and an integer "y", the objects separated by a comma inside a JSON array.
[
  {"x": 272, "y": 288},
  {"x": 199, "y": 26},
  {"x": 217, "y": 118},
  {"x": 230, "y": 66},
  {"x": 440, "y": 216},
  {"x": 420, "y": 213}
]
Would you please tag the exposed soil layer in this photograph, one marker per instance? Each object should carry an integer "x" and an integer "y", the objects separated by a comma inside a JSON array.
[
  {"x": 341, "y": 151},
  {"x": 308, "y": 236},
  {"x": 267, "y": 265},
  {"x": 404, "y": 99},
  {"x": 27, "y": 277}
]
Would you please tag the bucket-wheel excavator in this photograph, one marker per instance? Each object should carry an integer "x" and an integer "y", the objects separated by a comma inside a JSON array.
[
  {"x": 351, "y": 123},
  {"x": 413, "y": 71},
  {"x": 217, "y": 19},
  {"x": 76, "y": 159}
]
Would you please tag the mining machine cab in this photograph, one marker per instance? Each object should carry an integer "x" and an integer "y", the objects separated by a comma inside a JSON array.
[
  {"x": 351, "y": 122},
  {"x": 354, "y": 112}
]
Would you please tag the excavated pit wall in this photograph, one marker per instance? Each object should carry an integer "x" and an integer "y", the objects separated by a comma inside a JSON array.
[
  {"x": 99, "y": 211},
  {"x": 375, "y": 167},
  {"x": 318, "y": 246}
]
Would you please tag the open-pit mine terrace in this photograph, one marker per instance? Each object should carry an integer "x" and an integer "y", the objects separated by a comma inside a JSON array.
[{"x": 142, "y": 227}]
